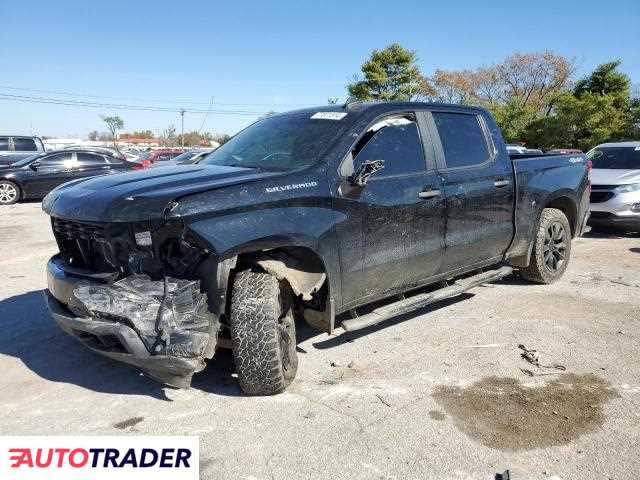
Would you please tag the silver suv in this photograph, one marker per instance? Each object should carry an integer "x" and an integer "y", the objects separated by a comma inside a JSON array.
[
  {"x": 615, "y": 185},
  {"x": 17, "y": 147}
]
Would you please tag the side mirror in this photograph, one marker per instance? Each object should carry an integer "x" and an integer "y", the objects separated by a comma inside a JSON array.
[
  {"x": 364, "y": 171},
  {"x": 34, "y": 166}
]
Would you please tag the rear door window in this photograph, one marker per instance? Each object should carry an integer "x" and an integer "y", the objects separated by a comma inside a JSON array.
[
  {"x": 4, "y": 144},
  {"x": 58, "y": 161},
  {"x": 463, "y": 139},
  {"x": 91, "y": 160},
  {"x": 395, "y": 140},
  {"x": 24, "y": 144}
]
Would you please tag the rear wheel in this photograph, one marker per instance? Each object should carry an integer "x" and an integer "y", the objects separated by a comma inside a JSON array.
[
  {"x": 263, "y": 333},
  {"x": 551, "y": 248},
  {"x": 9, "y": 192}
]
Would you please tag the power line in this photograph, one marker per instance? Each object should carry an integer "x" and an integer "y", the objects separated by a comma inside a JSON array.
[
  {"x": 204, "y": 119},
  {"x": 152, "y": 108},
  {"x": 137, "y": 99}
]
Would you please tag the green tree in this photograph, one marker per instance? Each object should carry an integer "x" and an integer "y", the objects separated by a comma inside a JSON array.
[
  {"x": 221, "y": 138},
  {"x": 114, "y": 124},
  {"x": 142, "y": 134},
  {"x": 607, "y": 80},
  {"x": 599, "y": 109},
  {"x": 513, "y": 118},
  {"x": 389, "y": 74},
  {"x": 579, "y": 122}
]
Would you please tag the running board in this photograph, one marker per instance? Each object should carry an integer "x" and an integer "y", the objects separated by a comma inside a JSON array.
[{"x": 400, "y": 307}]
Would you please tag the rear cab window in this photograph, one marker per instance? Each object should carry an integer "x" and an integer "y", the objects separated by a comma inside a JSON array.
[
  {"x": 463, "y": 139},
  {"x": 24, "y": 144}
]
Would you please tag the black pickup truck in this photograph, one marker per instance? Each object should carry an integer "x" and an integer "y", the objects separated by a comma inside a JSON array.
[{"x": 359, "y": 212}]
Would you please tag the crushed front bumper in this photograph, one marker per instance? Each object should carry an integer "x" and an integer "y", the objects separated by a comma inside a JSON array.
[{"x": 112, "y": 339}]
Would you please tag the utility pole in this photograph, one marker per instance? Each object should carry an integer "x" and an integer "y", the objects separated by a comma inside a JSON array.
[{"x": 182, "y": 127}]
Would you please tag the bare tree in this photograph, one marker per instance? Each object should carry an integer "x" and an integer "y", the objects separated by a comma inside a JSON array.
[
  {"x": 529, "y": 81},
  {"x": 113, "y": 124}
]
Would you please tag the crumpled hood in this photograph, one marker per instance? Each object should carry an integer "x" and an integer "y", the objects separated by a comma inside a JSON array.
[
  {"x": 605, "y": 176},
  {"x": 140, "y": 195}
]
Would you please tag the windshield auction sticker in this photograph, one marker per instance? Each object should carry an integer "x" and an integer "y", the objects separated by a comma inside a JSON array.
[
  {"x": 329, "y": 115},
  {"x": 97, "y": 458}
]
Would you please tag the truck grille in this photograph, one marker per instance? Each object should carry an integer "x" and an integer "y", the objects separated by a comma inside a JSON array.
[
  {"x": 75, "y": 230},
  {"x": 90, "y": 245},
  {"x": 599, "y": 197}
]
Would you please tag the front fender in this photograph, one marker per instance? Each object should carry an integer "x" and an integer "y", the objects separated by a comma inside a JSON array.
[{"x": 295, "y": 226}]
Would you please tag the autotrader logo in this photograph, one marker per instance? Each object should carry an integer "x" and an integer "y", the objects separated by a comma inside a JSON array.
[{"x": 171, "y": 457}]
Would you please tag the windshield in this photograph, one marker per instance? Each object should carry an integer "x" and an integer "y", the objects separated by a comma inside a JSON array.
[
  {"x": 26, "y": 160},
  {"x": 618, "y": 158},
  {"x": 281, "y": 142}
]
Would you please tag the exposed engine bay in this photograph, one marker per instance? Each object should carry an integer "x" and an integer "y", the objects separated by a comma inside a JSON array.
[{"x": 150, "y": 282}]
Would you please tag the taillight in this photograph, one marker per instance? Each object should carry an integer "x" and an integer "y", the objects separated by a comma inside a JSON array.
[{"x": 589, "y": 168}]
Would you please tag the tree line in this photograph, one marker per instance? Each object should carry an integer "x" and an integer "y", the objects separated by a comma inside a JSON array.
[
  {"x": 534, "y": 97},
  {"x": 168, "y": 136}
]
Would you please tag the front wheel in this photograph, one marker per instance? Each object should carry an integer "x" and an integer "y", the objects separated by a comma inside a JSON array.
[
  {"x": 263, "y": 333},
  {"x": 9, "y": 192},
  {"x": 551, "y": 248}
]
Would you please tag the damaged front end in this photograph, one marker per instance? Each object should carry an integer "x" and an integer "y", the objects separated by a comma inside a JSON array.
[{"x": 139, "y": 293}]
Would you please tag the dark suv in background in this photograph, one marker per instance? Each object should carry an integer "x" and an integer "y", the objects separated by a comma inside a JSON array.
[
  {"x": 36, "y": 175},
  {"x": 17, "y": 147}
]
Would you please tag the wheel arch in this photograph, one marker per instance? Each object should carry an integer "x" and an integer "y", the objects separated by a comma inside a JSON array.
[
  {"x": 562, "y": 201},
  {"x": 566, "y": 205}
]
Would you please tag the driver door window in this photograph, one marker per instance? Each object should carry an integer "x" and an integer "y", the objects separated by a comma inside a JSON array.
[{"x": 395, "y": 140}]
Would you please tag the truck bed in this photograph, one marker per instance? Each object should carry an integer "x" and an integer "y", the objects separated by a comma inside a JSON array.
[{"x": 543, "y": 178}]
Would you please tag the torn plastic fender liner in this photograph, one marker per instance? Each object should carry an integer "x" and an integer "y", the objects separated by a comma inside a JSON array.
[
  {"x": 178, "y": 325},
  {"x": 295, "y": 270}
]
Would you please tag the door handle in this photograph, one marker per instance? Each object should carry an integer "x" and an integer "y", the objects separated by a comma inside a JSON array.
[
  {"x": 501, "y": 183},
  {"x": 429, "y": 193}
]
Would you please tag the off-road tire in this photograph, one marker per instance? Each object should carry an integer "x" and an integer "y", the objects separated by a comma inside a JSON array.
[
  {"x": 263, "y": 334},
  {"x": 541, "y": 267},
  {"x": 5, "y": 199}
]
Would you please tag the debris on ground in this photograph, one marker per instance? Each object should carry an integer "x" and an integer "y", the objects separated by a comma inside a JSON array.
[
  {"x": 533, "y": 357},
  {"x": 381, "y": 398}
]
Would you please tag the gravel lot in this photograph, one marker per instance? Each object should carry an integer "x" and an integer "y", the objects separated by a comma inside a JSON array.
[{"x": 440, "y": 395}]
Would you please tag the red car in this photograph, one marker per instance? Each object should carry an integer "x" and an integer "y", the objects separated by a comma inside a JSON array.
[{"x": 149, "y": 158}]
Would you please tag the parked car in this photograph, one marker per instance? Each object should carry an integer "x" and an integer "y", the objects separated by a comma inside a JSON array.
[
  {"x": 306, "y": 214},
  {"x": 615, "y": 193},
  {"x": 109, "y": 150},
  {"x": 17, "y": 147},
  {"x": 160, "y": 155},
  {"x": 565, "y": 151},
  {"x": 190, "y": 157},
  {"x": 35, "y": 176}
]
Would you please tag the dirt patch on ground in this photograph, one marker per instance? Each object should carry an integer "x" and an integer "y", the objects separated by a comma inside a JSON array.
[
  {"x": 501, "y": 413},
  {"x": 436, "y": 415}
]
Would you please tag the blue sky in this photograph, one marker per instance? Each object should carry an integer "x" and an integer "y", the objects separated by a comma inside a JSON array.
[{"x": 267, "y": 55}]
